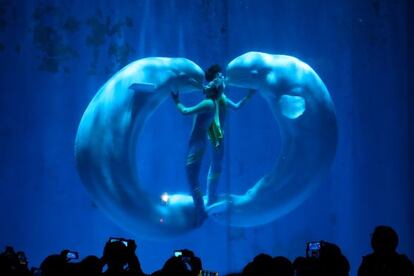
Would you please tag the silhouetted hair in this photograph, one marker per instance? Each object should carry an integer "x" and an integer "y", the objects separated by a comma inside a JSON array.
[
  {"x": 282, "y": 266},
  {"x": 212, "y": 71},
  {"x": 384, "y": 239},
  {"x": 115, "y": 254},
  {"x": 53, "y": 265},
  {"x": 175, "y": 266},
  {"x": 385, "y": 260},
  {"x": 91, "y": 265}
]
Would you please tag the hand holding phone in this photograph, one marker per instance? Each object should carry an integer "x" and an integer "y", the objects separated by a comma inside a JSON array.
[
  {"x": 124, "y": 241},
  {"x": 313, "y": 249}
]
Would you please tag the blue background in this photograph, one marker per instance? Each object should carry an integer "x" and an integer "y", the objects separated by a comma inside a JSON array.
[{"x": 54, "y": 56}]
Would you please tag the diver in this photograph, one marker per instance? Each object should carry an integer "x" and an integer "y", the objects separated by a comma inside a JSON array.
[{"x": 209, "y": 117}]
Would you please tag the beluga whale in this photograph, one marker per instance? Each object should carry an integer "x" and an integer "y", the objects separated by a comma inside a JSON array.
[
  {"x": 304, "y": 111},
  {"x": 105, "y": 146}
]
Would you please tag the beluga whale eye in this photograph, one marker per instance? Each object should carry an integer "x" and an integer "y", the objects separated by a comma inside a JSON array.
[{"x": 254, "y": 72}]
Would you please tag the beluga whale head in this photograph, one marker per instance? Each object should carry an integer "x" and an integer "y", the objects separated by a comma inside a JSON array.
[
  {"x": 249, "y": 70},
  {"x": 187, "y": 76}
]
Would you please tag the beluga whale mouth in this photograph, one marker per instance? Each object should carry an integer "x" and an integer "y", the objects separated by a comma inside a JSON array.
[{"x": 108, "y": 134}]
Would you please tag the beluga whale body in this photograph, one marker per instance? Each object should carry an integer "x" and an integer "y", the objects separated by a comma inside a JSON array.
[
  {"x": 304, "y": 112},
  {"x": 105, "y": 145}
]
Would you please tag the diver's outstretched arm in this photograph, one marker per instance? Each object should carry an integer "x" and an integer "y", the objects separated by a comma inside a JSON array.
[
  {"x": 236, "y": 106},
  {"x": 204, "y": 106}
]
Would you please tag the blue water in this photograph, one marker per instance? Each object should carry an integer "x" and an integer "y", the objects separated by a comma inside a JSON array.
[{"x": 55, "y": 55}]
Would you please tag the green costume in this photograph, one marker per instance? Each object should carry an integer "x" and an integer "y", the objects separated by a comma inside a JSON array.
[{"x": 215, "y": 132}]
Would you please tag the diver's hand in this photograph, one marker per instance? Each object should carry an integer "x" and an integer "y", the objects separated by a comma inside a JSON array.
[{"x": 175, "y": 95}]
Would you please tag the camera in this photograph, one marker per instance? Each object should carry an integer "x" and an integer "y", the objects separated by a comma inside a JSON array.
[
  {"x": 124, "y": 241},
  {"x": 313, "y": 249}
]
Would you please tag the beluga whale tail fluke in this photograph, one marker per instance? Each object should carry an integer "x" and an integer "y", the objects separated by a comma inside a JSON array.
[{"x": 304, "y": 112}]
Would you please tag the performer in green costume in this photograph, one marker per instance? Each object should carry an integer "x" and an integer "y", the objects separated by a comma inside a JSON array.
[{"x": 209, "y": 117}]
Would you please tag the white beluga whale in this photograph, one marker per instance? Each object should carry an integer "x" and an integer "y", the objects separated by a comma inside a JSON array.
[
  {"x": 304, "y": 112},
  {"x": 105, "y": 145}
]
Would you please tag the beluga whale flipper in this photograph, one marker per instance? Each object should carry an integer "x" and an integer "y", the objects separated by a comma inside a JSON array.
[
  {"x": 105, "y": 145},
  {"x": 303, "y": 109}
]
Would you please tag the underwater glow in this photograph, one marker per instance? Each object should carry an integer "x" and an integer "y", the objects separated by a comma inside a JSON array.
[
  {"x": 165, "y": 197},
  {"x": 109, "y": 132}
]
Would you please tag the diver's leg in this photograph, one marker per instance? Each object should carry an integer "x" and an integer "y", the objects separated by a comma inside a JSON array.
[
  {"x": 214, "y": 173},
  {"x": 193, "y": 166}
]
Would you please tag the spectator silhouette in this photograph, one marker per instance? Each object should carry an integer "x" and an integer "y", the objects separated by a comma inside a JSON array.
[
  {"x": 385, "y": 260},
  {"x": 328, "y": 262},
  {"x": 186, "y": 264},
  {"x": 59, "y": 264},
  {"x": 54, "y": 265},
  {"x": 91, "y": 266},
  {"x": 301, "y": 266},
  {"x": 282, "y": 266},
  {"x": 262, "y": 264},
  {"x": 12, "y": 263},
  {"x": 332, "y": 262},
  {"x": 174, "y": 266},
  {"x": 121, "y": 258}
]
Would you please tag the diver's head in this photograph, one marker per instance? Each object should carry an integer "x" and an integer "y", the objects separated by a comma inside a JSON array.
[
  {"x": 215, "y": 88},
  {"x": 212, "y": 72}
]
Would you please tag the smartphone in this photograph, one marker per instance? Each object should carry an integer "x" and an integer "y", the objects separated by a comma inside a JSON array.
[
  {"x": 178, "y": 253},
  {"x": 72, "y": 255},
  {"x": 124, "y": 241},
  {"x": 313, "y": 249}
]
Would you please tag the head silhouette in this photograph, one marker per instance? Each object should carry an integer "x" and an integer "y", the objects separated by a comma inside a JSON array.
[
  {"x": 175, "y": 266},
  {"x": 384, "y": 240},
  {"x": 282, "y": 266},
  {"x": 262, "y": 264},
  {"x": 54, "y": 265},
  {"x": 115, "y": 255},
  {"x": 91, "y": 265}
]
